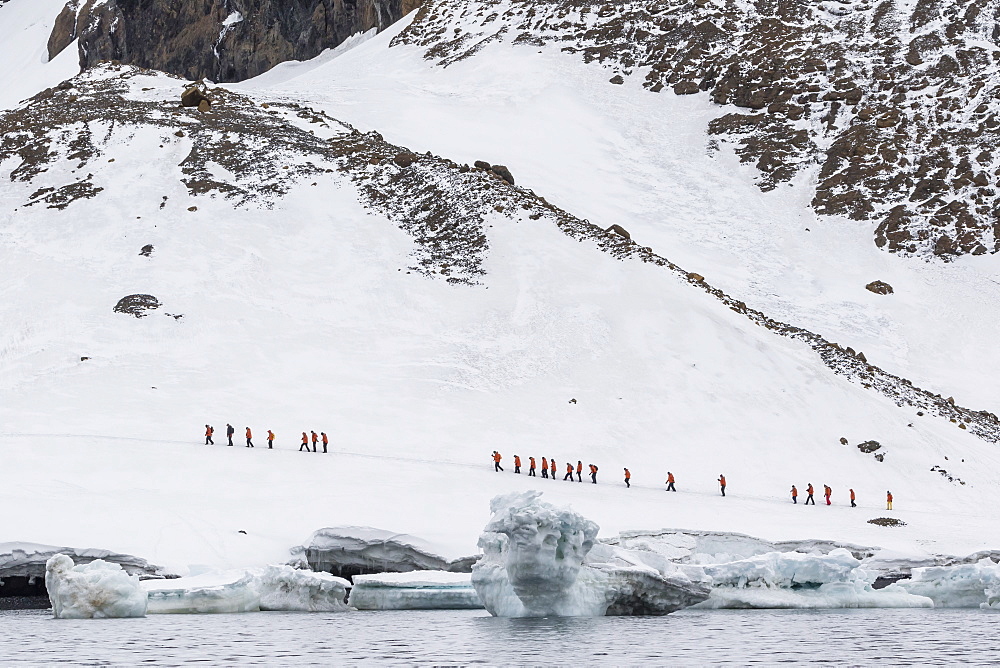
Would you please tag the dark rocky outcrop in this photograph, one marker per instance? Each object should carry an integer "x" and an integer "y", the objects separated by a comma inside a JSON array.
[
  {"x": 619, "y": 230},
  {"x": 879, "y": 288},
  {"x": 137, "y": 305},
  {"x": 222, "y": 40},
  {"x": 147, "y": 250},
  {"x": 869, "y": 447}
]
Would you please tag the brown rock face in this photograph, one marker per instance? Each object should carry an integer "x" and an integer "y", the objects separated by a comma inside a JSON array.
[{"x": 222, "y": 40}]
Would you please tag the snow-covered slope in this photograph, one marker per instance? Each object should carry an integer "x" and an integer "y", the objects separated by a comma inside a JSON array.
[
  {"x": 322, "y": 301},
  {"x": 24, "y": 30}
]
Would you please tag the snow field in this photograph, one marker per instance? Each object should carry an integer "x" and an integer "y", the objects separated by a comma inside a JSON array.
[{"x": 303, "y": 317}]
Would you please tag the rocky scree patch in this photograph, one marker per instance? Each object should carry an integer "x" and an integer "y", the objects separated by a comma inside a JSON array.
[{"x": 894, "y": 104}]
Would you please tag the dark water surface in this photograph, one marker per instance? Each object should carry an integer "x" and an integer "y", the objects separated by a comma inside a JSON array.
[{"x": 852, "y": 637}]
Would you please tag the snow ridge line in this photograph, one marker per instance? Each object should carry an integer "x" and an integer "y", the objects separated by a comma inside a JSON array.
[{"x": 457, "y": 197}]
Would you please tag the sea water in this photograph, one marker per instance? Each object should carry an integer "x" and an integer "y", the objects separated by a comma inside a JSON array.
[{"x": 855, "y": 637}]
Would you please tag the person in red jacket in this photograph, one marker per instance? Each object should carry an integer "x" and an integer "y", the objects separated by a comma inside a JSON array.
[
  {"x": 315, "y": 439},
  {"x": 496, "y": 461},
  {"x": 270, "y": 439},
  {"x": 628, "y": 476},
  {"x": 208, "y": 435},
  {"x": 722, "y": 484},
  {"x": 552, "y": 469},
  {"x": 305, "y": 443},
  {"x": 545, "y": 467},
  {"x": 888, "y": 500},
  {"x": 531, "y": 466},
  {"x": 853, "y": 505},
  {"x": 593, "y": 474},
  {"x": 670, "y": 482},
  {"x": 569, "y": 472},
  {"x": 809, "y": 498},
  {"x": 827, "y": 492},
  {"x": 249, "y": 436},
  {"x": 795, "y": 494},
  {"x": 517, "y": 464},
  {"x": 579, "y": 471},
  {"x": 326, "y": 440}
]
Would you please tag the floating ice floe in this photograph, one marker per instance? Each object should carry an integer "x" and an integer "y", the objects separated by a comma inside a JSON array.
[
  {"x": 419, "y": 590},
  {"x": 796, "y": 580},
  {"x": 94, "y": 590},
  {"x": 269, "y": 588},
  {"x": 535, "y": 564},
  {"x": 959, "y": 586}
]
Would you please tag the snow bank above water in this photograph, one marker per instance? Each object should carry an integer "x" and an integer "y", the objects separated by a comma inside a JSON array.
[
  {"x": 961, "y": 586},
  {"x": 354, "y": 550},
  {"x": 95, "y": 590}
]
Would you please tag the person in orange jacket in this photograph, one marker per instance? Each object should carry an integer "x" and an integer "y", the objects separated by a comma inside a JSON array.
[
  {"x": 496, "y": 461},
  {"x": 722, "y": 484},
  {"x": 326, "y": 440},
  {"x": 628, "y": 476},
  {"x": 827, "y": 492},
  {"x": 517, "y": 464},
  {"x": 545, "y": 467},
  {"x": 593, "y": 474},
  {"x": 531, "y": 466},
  {"x": 853, "y": 505},
  {"x": 809, "y": 498},
  {"x": 208, "y": 435},
  {"x": 315, "y": 439},
  {"x": 569, "y": 472},
  {"x": 552, "y": 469},
  {"x": 888, "y": 500},
  {"x": 305, "y": 443},
  {"x": 249, "y": 436},
  {"x": 579, "y": 471},
  {"x": 795, "y": 494},
  {"x": 270, "y": 439},
  {"x": 670, "y": 482}
]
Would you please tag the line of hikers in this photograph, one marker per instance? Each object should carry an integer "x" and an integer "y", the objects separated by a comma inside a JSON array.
[
  {"x": 230, "y": 431},
  {"x": 549, "y": 469},
  {"x": 828, "y": 492}
]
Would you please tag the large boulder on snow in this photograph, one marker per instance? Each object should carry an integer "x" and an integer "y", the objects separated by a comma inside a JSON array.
[
  {"x": 537, "y": 562},
  {"x": 94, "y": 590}
]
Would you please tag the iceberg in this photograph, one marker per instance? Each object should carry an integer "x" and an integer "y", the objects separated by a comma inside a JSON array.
[
  {"x": 270, "y": 588},
  {"x": 535, "y": 564},
  {"x": 419, "y": 590},
  {"x": 958, "y": 586},
  {"x": 95, "y": 590},
  {"x": 287, "y": 588}
]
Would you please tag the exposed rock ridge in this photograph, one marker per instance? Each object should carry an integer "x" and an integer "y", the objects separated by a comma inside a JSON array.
[
  {"x": 444, "y": 206},
  {"x": 896, "y": 101},
  {"x": 221, "y": 40}
]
